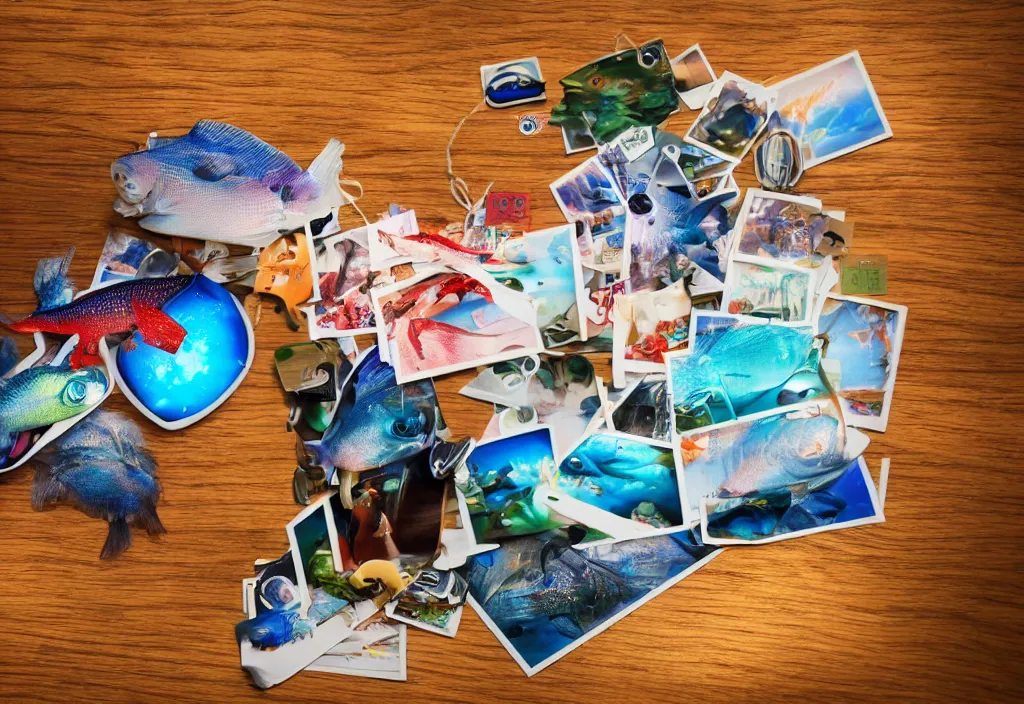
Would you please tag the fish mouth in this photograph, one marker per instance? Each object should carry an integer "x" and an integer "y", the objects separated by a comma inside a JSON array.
[{"x": 126, "y": 185}]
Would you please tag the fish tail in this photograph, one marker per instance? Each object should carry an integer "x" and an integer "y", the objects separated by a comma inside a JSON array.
[
  {"x": 325, "y": 170},
  {"x": 119, "y": 539},
  {"x": 51, "y": 283},
  {"x": 148, "y": 519},
  {"x": 45, "y": 488}
]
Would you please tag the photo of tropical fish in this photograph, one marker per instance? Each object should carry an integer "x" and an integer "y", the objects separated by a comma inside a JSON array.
[
  {"x": 344, "y": 278},
  {"x": 781, "y": 227},
  {"x": 734, "y": 369},
  {"x": 864, "y": 336},
  {"x": 512, "y": 83},
  {"x": 500, "y": 485},
  {"x": 545, "y": 265},
  {"x": 764, "y": 289},
  {"x": 645, "y": 410},
  {"x": 434, "y": 323},
  {"x": 221, "y": 183},
  {"x": 832, "y": 109},
  {"x": 805, "y": 445},
  {"x": 629, "y": 477},
  {"x": 590, "y": 194},
  {"x": 790, "y": 512},
  {"x": 630, "y": 88},
  {"x": 542, "y": 598},
  {"x": 733, "y": 116}
]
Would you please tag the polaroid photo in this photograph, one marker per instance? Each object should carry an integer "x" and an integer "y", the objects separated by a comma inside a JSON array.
[
  {"x": 621, "y": 485},
  {"x": 536, "y": 639},
  {"x": 95, "y": 382},
  {"x": 693, "y": 77},
  {"x": 512, "y": 83},
  {"x": 500, "y": 481},
  {"x": 769, "y": 289},
  {"x": 314, "y": 528},
  {"x": 341, "y": 270},
  {"x": 439, "y": 322},
  {"x": 644, "y": 411},
  {"x": 780, "y": 227},
  {"x": 848, "y": 501},
  {"x": 458, "y": 540},
  {"x": 832, "y": 109},
  {"x": 732, "y": 118},
  {"x": 764, "y": 452},
  {"x": 376, "y": 650},
  {"x": 590, "y": 194},
  {"x": 381, "y": 237},
  {"x": 125, "y": 257},
  {"x": 545, "y": 265},
  {"x": 864, "y": 337},
  {"x": 433, "y": 602},
  {"x": 647, "y": 325},
  {"x": 737, "y": 366}
]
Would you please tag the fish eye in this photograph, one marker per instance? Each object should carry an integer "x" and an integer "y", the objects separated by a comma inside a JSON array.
[
  {"x": 75, "y": 392},
  {"x": 408, "y": 427},
  {"x": 649, "y": 56},
  {"x": 640, "y": 204},
  {"x": 595, "y": 81},
  {"x": 575, "y": 463}
]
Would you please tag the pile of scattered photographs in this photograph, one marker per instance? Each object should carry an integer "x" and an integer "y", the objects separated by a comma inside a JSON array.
[{"x": 743, "y": 371}]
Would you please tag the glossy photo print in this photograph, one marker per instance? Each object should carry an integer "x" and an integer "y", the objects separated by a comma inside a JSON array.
[
  {"x": 832, "y": 109},
  {"x": 500, "y": 482},
  {"x": 645, "y": 410},
  {"x": 765, "y": 452},
  {"x": 376, "y": 649},
  {"x": 784, "y": 228},
  {"x": 632, "y": 478},
  {"x": 545, "y": 265},
  {"x": 791, "y": 512},
  {"x": 343, "y": 280},
  {"x": 693, "y": 77},
  {"x": 512, "y": 83},
  {"x": 125, "y": 257},
  {"x": 435, "y": 323},
  {"x": 733, "y": 116},
  {"x": 767, "y": 289},
  {"x": 543, "y": 598},
  {"x": 589, "y": 194},
  {"x": 736, "y": 368},
  {"x": 647, "y": 326},
  {"x": 864, "y": 337}
]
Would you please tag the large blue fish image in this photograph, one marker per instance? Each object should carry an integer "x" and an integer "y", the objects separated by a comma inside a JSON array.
[
  {"x": 221, "y": 183},
  {"x": 778, "y": 452},
  {"x": 102, "y": 466},
  {"x": 616, "y": 474},
  {"x": 385, "y": 423},
  {"x": 738, "y": 366}
]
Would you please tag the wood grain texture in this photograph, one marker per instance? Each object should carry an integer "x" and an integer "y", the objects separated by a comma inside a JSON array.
[{"x": 925, "y": 607}]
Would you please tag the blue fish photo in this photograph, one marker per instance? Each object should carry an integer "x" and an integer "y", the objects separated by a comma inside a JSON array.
[
  {"x": 543, "y": 598},
  {"x": 790, "y": 512}
]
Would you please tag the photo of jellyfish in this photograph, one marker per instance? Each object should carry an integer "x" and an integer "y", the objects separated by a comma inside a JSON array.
[
  {"x": 790, "y": 512},
  {"x": 778, "y": 291},
  {"x": 733, "y": 117},
  {"x": 832, "y": 109},
  {"x": 741, "y": 369},
  {"x": 542, "y": 598},
  {"x": 628, "y": 477},
  {"x": 763, "y": 453},
  {"x": 780, "y": 227},
  {"x": 500, "y": 489},
  {"x": 864, "y": 336},
  {"x": 589, "y": 194}
]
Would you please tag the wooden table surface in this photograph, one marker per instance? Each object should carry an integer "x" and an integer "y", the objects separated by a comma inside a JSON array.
[{"x": 924, "y": 607}]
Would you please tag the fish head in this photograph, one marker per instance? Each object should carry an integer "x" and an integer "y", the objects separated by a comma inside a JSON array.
[
  {"x": 134, "y": 176},
  {"x": 382, "y": 431},
  {"x": 84, "y": 388}
]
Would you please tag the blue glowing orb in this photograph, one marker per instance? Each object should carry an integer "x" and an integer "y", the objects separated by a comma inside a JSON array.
[{"x": 209, "y": 362}]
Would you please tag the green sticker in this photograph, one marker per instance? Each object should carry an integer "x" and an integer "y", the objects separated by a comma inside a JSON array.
[{"x": 865, "y": 275}]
